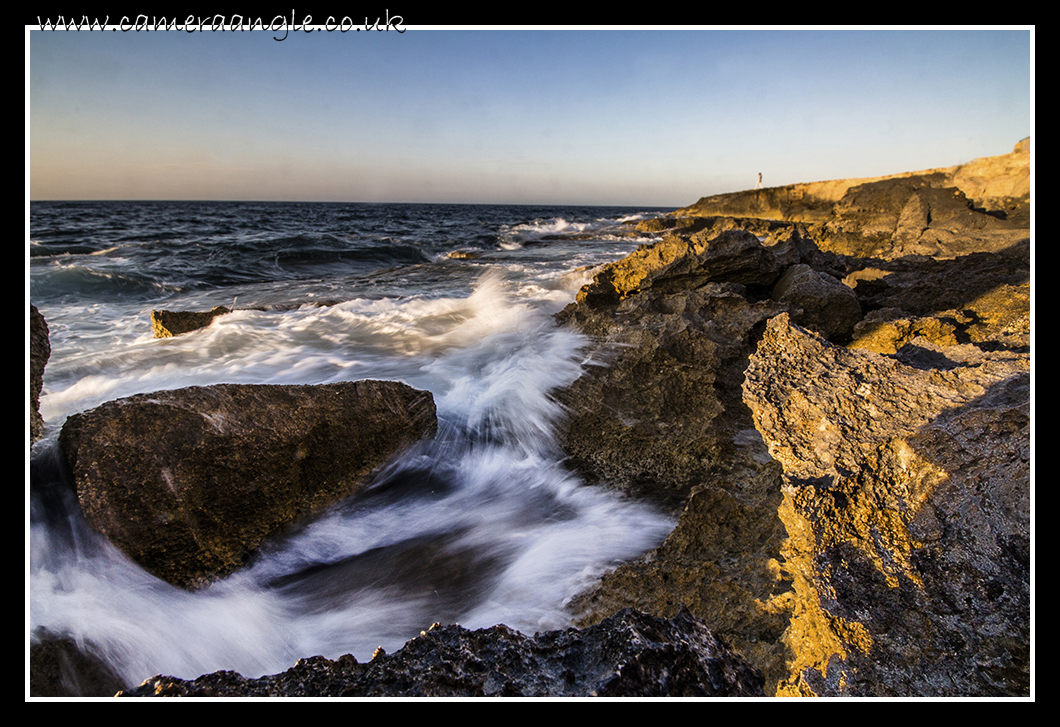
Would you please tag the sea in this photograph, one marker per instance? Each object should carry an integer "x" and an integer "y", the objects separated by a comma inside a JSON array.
[{"x": 483, "y": 525}]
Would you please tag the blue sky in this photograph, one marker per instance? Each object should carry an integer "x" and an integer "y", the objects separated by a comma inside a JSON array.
[{"x": 634, "y": 117}]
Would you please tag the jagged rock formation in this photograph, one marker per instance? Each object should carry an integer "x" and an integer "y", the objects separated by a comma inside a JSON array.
[
  {"x": 981, "y": 298},
  {"x": 674, "y": 324},
  {"x": 852, "y": 523},
  {"x": 39, "y": 351},
  {"x": 630, "y": 654},
  {"x": 188, "y": 482},
  {"x": 169, "y": 323},
  {"x": 664, "y": 419},
  {"x": 906, "y": 499}
]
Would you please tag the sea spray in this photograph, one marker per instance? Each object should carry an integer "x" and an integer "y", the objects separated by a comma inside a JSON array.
[{"x": 482, "y": 525}]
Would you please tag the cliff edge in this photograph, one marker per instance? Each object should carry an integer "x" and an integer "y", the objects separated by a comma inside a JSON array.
[{"x": 979, "y": 206}]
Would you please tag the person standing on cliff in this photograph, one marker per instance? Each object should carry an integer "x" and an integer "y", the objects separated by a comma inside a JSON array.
[{"x": 759, "y": 185}]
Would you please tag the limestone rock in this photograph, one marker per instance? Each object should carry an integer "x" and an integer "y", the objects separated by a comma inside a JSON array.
[
  {"x": 683, "y": 263},
  {"x": 820, "y": 301},
  {"x": 915, "y": 215},
  {"x": 39, "y": 351},
  {"x": 980, "y": 206},
  {"x": 981, "y": 298},
  {"x": 630, "y": 654},
  {"x": 667, "y": 416},
  {"x": 906, "y": 503},
  {"x": 169, "y": 323},
  {"x": 650, "y": 419},
  {"x": 189, "y": 482}
]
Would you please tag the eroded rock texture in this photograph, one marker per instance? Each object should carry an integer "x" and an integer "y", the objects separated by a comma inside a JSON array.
[
  {"x": 39, "y": 351},
  {"x": 630, "y": 654},
  {"x": 188, "y": 482},
  {"x": 854, "y": 521},
  {"x": 169, "y": 323},
  {"x": 907, "y": 507},
  {"x": 983, "y": 205}
]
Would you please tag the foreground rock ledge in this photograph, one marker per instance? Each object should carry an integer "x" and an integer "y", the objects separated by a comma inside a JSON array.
[
  {"x": 188, "y": 482},
  {"x": 907, "y": 507},
  {"x": 629, "y": 654}
]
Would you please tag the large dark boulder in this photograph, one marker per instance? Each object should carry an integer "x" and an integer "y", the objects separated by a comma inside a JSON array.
[
  {"x": 630, "y": 654},
  {"x": 189, "y": 482},
  {"x": 39, "y": 351}
]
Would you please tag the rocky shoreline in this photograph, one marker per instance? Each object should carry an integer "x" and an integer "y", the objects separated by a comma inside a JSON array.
[
  {"x": 855, "y": 499},
  {"x": 829, "y": 384}
]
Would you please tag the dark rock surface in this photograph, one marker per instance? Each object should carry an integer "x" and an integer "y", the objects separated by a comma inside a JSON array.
[
  {"x": 39, "y": 351},
  {"x": 169, "y": 323},
  {"x": 630, "y": 654},
  {"x": 188, "y": 482},
  {"x": 58, "y": 668},
  {"x": 673, "y": 325}
]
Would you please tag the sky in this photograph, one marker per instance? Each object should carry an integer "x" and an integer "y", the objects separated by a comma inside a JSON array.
[{"x": 542, "y": 116}]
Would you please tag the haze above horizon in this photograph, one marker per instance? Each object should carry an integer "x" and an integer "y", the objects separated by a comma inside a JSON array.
[{"x": 609, "y": 117}]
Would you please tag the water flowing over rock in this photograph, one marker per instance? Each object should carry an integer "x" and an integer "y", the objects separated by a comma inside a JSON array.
[
  {"x": 630, "y": 654},
  {"x": 59, "y": 668},
  {"x": 188, "y": 482},
  {"x": 169, "y": 323},
  {"x": 39, "y": 351}
]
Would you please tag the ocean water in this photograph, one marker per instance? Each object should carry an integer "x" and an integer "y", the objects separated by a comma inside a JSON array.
[{"x": 483, "y": 525}]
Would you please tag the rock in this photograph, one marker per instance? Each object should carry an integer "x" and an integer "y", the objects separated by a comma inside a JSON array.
[
  {"x": 168, "y": 323},
  {"x": 666, "y": 415},
  {"x": 981, "y": 206},
  {"x": 662, "y": 418},
  {"x": 983, "y": 298},
  {"x": 39, "y": 351},
  {"x": 654, "y": 417},
  {"x": 673, "y": 325},
  {"x": 683, "y": 263},
  {"x": 889, "y": 329},
  {"x": 189, "y": 482},
  {"x": 58, "y": 668},
  {"x": 630, "y": 654},
  {"x": 907, "y": 508},
  {"x": 820, "y": 301},
  {"x": 915, "y": 215}
]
